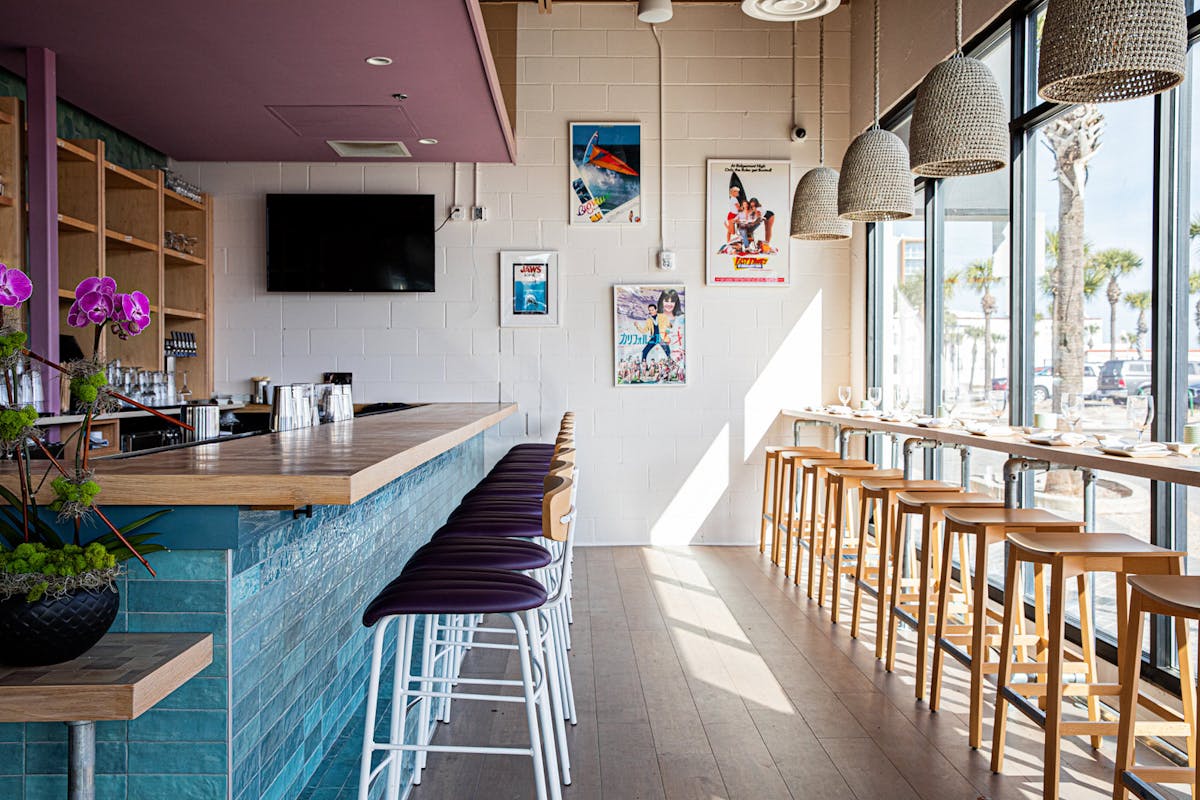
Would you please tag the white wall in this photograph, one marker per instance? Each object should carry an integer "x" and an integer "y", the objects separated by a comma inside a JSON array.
[{"x": 670, "y": 465}]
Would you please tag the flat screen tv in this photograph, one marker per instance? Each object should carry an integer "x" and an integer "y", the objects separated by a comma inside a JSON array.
[{"x": 350, "y": 243}]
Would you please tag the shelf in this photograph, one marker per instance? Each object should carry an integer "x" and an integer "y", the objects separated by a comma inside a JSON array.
[
  {"x": 183, "y": 313},
  {"x": 7, "y": 201},
  {"x": 66, "y": 294},
  {"x": 115, "y": 240},
  {"x": 68, "y": 151},
  {"x": 121, "y": 178},
  {"x": 174, "y": 198},
  {"x": 173, "y": 258},
  {"x": 68, "y": 223}
]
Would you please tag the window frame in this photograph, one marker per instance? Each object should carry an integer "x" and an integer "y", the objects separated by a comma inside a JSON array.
[{"x": 1169, "y": 265}]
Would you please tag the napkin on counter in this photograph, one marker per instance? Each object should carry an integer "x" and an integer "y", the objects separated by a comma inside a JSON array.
[{"x": 840, "y": 410}]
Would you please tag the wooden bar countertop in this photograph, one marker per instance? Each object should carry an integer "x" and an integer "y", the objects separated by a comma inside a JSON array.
[{"x": 337, "y": 463}]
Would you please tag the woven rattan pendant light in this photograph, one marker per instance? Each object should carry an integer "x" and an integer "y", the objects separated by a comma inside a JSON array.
[
  {"x": 815, "y": 206},
  {"x": 875, "y": 184},
  {"x": 1100, "y": 51},
  {"x": 959, "y": 124}
]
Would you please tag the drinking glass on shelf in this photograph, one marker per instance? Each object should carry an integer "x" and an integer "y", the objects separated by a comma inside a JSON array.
[
  {"x": 950, "y": 400},
  {"x": 1072, "y": 408},
  {"x": 844, "y": 395},
  {"x": 1140, "y": 409},
  {"x": 997, "y": 402},
  {"x": 874, "y": 397}
]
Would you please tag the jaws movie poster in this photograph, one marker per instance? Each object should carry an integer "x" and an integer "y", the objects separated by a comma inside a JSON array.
[
  {"x": 747, "y": 222},
  {"x": 606, "y": 173}
]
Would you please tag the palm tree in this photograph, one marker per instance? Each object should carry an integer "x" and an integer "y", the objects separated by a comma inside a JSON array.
[
  {"x": 1130, "y": 339},
  {"x": 1092, "y": 330},
  {"x": 980, "y": 276},
  {"x": 912, "y": 289},
  {"x": 1140, "y": 302},
  {"x": 1073, "y": 138},
  {"x": 1112, "y": 264},
  {"x": 1194, "y": 287},
  {"x": 974, "y": 333}
]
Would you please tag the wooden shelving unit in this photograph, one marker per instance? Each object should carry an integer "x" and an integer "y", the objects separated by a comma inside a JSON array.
[
  {"x": 12, "y": 207},
  {"x": 112, "y": 222}
]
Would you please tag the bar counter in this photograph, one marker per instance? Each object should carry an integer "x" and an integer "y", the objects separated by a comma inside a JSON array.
[{"x": 277, "y": 542}]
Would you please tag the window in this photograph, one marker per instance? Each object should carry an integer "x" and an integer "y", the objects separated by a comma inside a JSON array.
[
  {"x": 1049, "y": 277},
  {"x": 903, "y": 245}
]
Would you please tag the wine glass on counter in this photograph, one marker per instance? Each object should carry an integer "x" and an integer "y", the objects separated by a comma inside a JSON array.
[
  {"x": 844, "y": 395},
  {"x": 997, "y": 402},
  {"x": 1072, "y": 409},
  {"x": 949, "y": 400},
  {"x": 1140, "y": 408}
]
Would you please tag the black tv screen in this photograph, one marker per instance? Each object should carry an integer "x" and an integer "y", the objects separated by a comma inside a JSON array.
[{"x": 350, "y": 243}]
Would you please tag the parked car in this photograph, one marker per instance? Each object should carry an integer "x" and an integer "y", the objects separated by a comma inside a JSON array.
[
  {"x": 1043, "y": 382},
  {"x": 1122, "y": 379}
]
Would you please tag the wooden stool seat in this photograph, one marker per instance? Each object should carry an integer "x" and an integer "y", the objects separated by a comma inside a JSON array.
[
  {"x": 915, "y": 607},
  {"x": 773, "y": 495},
  {"x": 881, "y": 495},
  {"x": 812, "y": 473},
  {"x": 1066, "y": 545},
  {"x": 1176, "y": 596},
  {"x": 988, "y": 526},
  {"x": 835, "y": 561},
  {"x": 1076, "y": 555}
]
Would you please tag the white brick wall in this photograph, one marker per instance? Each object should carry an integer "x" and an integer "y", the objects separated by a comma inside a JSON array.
[{"x": 664, "y": 465}]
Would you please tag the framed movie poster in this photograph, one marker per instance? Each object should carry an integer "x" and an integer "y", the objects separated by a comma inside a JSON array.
[
  {"x": 747, "y": 222},
  {"x": 650, "y": 335},
  {"x": 606, "y": 180},
  {"x": 529, "y": 289}
]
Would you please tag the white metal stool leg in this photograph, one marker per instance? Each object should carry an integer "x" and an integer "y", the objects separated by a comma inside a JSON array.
[
  {"x": 364, "y": 773},
  {"x": 399, "y": 715}
]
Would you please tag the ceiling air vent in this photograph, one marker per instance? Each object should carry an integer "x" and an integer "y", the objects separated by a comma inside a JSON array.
[
  {"x": 788, "y": 10},
  {"x": 363, "y": 149}
]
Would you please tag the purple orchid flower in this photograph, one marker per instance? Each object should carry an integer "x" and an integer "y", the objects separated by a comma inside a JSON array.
[
  {"x": 131, "y": 313},
  {"x": 94, "y": 301},
  {"x": 15, "y": 286}
]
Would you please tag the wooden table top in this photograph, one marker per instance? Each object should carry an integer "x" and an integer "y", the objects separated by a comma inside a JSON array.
[
  {"x": 334, "y": 464},
  {"x": 1172, "y": 468},
  {"x": 122, "y": 677}
]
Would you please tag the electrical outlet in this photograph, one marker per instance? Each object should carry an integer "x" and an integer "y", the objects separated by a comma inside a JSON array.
[
  {"x": 458, "y": 213},
  {"x": 478, "y": 213},
  {"x": 666, "y": 260}
]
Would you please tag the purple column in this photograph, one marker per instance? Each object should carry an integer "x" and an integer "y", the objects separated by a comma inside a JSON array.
[{"x": 41, "y": 110}]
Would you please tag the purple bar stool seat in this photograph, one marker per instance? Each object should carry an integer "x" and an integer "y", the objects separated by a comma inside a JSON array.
[
  {"x": 462, "y": 553},
  {"x": 456, "y": 591},
  {"x": 529, "y": 508},
  {"x": 495, "y": 526}
]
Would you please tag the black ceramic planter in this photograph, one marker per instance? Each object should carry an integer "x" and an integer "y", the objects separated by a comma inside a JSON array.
[{"x": 53, "y": 631}]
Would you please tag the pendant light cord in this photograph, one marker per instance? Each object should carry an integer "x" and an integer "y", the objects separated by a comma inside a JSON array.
[
  {"x": 876, "y": 63},
  {"x": 821, "y": 92},
  {"x": 958, "y": 51}
]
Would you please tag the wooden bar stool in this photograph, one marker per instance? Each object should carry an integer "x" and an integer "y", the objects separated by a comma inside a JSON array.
[
  {"x": 784, "y": 513},
  {"x": 839, "y": 483},
  {"x": 1074, "y": 555},
  {"x": 988, "y": 527},
  {"x": 1175, "y": 596},
  {"x": 812, "y": 477},
  {"x": 910, "y": 599},
  {"x": 772, "y": 495},
  {"x": 879, "y": 502}
]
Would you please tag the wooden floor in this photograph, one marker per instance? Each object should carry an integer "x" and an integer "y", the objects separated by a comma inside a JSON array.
[{"x": 701, "y": 674}]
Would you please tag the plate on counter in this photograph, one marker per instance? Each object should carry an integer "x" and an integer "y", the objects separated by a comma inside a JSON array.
[{"x": 1134, "y": 452}]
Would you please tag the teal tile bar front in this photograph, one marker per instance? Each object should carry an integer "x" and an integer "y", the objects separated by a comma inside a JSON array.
[{"x": 283, "y": 595}]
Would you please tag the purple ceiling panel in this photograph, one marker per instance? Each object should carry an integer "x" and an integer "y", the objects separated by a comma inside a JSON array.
[{"x": 268, "y": 80}]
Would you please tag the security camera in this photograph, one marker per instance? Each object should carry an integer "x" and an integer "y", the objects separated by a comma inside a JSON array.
[
  {"x": 799, "y": 134},
  {"x": 398, "y": 96}
]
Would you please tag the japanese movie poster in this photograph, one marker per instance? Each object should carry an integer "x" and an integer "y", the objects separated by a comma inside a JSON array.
[
  {"x": 606, "y": 181},
  {"x": 650, "y": 335},
  {"x": 747, "y": 222}
]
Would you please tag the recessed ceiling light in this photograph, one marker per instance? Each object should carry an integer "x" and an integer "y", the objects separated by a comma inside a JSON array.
[
  {"x": 427, "y": 140},
  {"x": 378, "y": 61}
]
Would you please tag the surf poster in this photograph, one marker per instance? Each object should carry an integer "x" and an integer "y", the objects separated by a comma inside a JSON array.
[
  {"x": 650, "y": 335},
  {"x": 747, "y": 222},
  {"x": 606, "y": 180}
]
